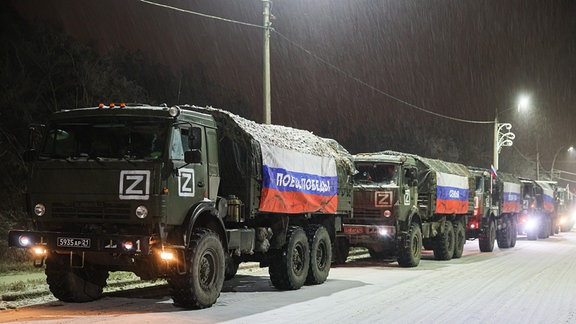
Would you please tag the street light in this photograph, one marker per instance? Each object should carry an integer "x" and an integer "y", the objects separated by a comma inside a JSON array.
[
  {"x": 502, "y": 137},
  {"x": 502, "y": 134},
  {"x": 570, "y": 149}
]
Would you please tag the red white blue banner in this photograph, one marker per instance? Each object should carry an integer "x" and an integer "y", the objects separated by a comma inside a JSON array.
[
  {"x": 451, "y": 193},
  {"x": 294, "y": 182},
  {"x": 548, "y": 200},
  {"x": 511, "y": 199}
]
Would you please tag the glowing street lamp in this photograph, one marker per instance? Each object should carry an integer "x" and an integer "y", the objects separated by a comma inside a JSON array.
[{"x": 502, "y": 134}]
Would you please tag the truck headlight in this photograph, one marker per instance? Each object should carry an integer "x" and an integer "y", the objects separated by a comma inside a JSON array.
[
  {"x": 141, "y": 212},
  {"x": 39, "y": 209},
  {"x": 174, "y": 111},
  {"x": 24, "y": 241}
]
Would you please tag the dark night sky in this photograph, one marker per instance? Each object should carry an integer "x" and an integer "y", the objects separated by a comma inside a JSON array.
[{"x": 462, "y": 58}]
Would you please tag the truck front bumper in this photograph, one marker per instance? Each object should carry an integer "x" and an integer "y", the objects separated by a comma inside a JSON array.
[{"x": 76, "y": 242}]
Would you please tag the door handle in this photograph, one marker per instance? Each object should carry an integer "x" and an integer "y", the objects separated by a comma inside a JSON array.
[{"x": 200, "y": 184}]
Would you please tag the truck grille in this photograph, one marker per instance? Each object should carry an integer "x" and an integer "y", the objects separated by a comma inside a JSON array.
[
  {"x": 368, "y": 213},
  {"x": 91, "y": 210}
]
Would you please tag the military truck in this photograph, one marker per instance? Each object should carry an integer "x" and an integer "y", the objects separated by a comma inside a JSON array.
[
  {"x": 403, "y": 202},
  {"x": 183, "y": 193},
  {"x": 497, "y": 204},
  {"x": 538, "y": 218}
]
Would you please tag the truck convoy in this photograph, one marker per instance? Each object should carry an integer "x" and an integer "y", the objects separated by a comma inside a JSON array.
[
  {"x": 538, "y": 218},
  {"x": 188, "y": 193},
  {"x": 403, "y": 202},
  {"x": 497, "y": 204},
  {"x": 185, "y": 193}
]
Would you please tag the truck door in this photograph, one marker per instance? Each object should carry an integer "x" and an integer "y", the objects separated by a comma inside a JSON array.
[{"x": 187, "y": 183}]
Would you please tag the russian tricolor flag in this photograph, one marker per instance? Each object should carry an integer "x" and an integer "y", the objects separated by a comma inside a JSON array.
[
  {"x": 295, "y": 183},
  {"x": 548, "y": 200},
  {"x": 451, "y": 194},
  {"x": 493, "y": 172},
  {"x": 511, "y": 198}
]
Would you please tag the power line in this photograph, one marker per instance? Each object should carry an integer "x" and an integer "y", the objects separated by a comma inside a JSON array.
[
  {"x": 339, "y": 70},
  {"x": 201, "y": 14},
  {"x": 332, "y": 66}
]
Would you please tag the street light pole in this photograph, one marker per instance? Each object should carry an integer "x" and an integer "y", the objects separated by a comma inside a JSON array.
[
  {"x": 267, "y": 99},
  {"x": 502, "y": 134},
  {"x": 502, "y": 137},
  {"x": 570, "y": 149}
]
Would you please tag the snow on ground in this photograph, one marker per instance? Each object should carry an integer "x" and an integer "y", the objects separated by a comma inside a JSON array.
[{"x": 535, "y": 282}]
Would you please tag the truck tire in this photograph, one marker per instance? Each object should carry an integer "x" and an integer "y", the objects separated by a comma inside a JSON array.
[
  {"x": 460, "y": 240},
  {"x": 341, "y": 250},
  {"x": 410, "y": 247},
  {"x": 555, "y": 227},
  {"x": 503, "y": 236},
  {"x": 232, "y": 265},
  {"x": 289, "y": 266},
  {"x": 513, "y": 232},
  {"x": 444, "y": 243},
  {"x": 76, "y": 285},
  {"x": 544, "y": 230},
  {"x": 201, "y": 285},
  {"x": 486, "y": 242},
  {"x": 320, "y": 254}
]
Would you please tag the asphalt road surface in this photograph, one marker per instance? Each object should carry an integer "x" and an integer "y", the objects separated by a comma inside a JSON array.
[{"x": 535, "y": 282}]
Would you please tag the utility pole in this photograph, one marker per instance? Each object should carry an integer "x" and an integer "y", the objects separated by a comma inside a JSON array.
[{"x": 267, "y": 100}]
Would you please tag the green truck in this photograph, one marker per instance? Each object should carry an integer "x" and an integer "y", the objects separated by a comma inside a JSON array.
[
  {"x": 538, "y": 218},
  {"x": 404, "y": 202},
  {"x": 497, "y": 205},
  {"x": 183, "y": 193}
]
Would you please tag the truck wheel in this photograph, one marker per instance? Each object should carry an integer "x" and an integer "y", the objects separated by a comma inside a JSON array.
[
  {"x": 201, "y": 285},
  {"x": 410, "y": 247},
  {"x": 444, "y": 243},
  {"x": 486, "y": 242},
  {"x": 231, "y": 267},
  {"x": 320, "y": 254},
  {"x": 503, "y": 236},
  {"x": 76, "y": 285},
  {"x": 544, "y": 230},
  {"x": 555, "y": 227},
  {"x": 289, "y": 266},
  {"x": 460, "y": 240},
  {"x": 513, "y": 232},
  {"x": 341, "y": 250}
]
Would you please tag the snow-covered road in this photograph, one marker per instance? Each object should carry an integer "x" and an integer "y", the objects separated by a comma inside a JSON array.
[{"x": 535, "y": 282}]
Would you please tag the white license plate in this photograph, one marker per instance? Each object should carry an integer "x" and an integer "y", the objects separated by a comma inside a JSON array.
[{"x": 73, "y": 242}]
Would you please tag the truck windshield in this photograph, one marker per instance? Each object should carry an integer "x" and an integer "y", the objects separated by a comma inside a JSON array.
[
  {"x": 106, "y": 138},
  {"x": 386, "y": 174}
]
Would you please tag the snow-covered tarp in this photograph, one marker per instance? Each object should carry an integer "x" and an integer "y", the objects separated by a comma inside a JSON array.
[
  {"x": 452, "y": 183},
  {"x": 299, "y": 169}
]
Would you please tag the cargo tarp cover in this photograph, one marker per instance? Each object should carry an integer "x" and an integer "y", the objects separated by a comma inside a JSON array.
[
  {"x": 452, "y": 182},
  {"x": 299, "y": 169}
]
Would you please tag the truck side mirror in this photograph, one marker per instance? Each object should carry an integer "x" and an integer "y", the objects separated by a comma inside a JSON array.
[{"x": 193, "y": 157}]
